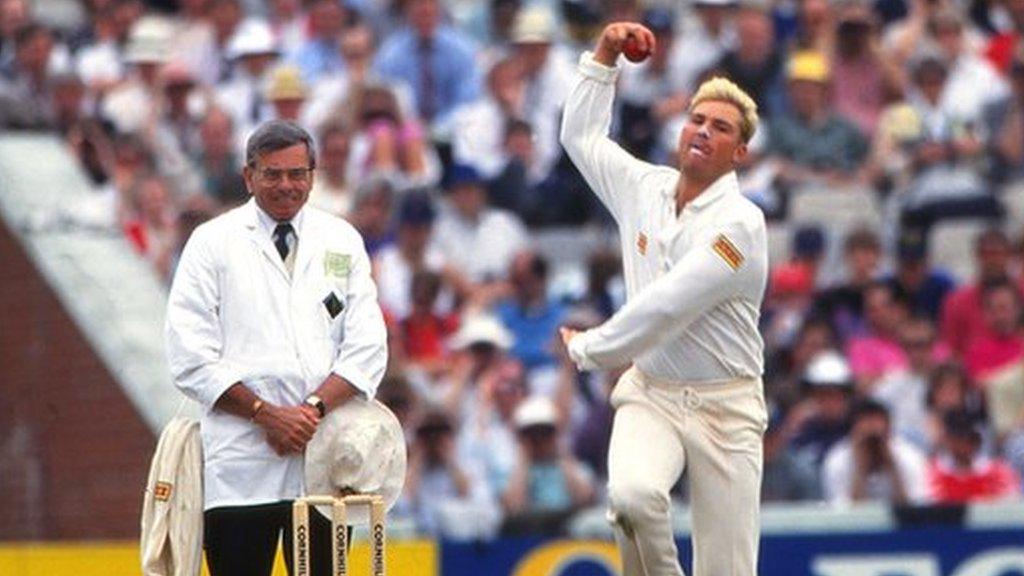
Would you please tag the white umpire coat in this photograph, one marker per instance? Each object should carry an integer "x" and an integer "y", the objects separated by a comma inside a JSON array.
[
  {"x": 694, "y": 281},
  {"x": 234, "y": 315}
]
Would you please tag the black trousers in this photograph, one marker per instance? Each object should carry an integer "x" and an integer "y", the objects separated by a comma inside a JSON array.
[{"x": 242, "y": 540}]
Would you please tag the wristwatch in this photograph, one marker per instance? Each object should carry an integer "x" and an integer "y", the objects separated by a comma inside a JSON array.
[{"x": 316, "y": 402}]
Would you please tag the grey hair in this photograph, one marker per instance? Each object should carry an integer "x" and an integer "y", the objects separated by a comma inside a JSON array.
[{"x": 277, "y": 135}]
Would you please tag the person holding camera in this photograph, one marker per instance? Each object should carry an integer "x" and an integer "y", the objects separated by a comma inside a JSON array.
[
  {"x": 445, "y": 493},
  {"x": 870, "y": 464}
]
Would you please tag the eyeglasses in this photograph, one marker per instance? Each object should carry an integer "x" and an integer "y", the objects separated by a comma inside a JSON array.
[{"x": 275, "y": 175}]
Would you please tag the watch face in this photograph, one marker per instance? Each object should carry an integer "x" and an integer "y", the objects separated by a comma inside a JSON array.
[{"x": 317, "y": 403}]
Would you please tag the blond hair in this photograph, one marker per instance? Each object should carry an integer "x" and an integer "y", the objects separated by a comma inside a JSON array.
[{"x": 720, "y": 89}]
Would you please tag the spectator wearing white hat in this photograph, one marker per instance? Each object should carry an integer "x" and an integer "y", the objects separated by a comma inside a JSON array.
[
  {"x": 132, "y": 104},
  {"x": 548, "y": 68},
  {"x": 479, "y": 354},
  {"x": 253, "y": 51},
  {"x": 815, "y": 424},
  {"x": 548, "y": 481},
  {"x": 157, "y": 87}
]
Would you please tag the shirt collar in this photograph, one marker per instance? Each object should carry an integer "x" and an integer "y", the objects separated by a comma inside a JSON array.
[
  {"x": 267, "y": 224},
  {"x": 725, "y": 184}
]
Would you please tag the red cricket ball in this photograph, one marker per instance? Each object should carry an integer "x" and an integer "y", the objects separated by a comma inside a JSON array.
[{"x": 631, "y": 49}]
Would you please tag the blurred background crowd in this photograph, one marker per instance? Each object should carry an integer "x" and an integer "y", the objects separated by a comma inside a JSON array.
[{"x": 437, "y": 125}]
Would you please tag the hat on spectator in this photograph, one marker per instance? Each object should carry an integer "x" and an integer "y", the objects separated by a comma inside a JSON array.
[
  {"x": 253, "y": 38},
  {"x": 808, "y": 242},
  {"x": 481, "y": 329},
  {"x": 809, "y": 65},
  {"x": 828, "y": 369},
  {"x": 149, "y": 40},
  {"x": 715, "y": 2},
  {"x": 286, "y": 83},
  {"x": 359, "y": 447},
  {"x": 534, "y": 25},
  {"x": 462, "y": 174},
  {"x": 416, "y": 209},
  {"x": 659, "y": 20},
  {"x": 536, "y": 410},
  {"x": 912, "y": 246}
]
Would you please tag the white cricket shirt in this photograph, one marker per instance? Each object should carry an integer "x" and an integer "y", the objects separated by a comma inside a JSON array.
[{"x": 694, "y": 283}]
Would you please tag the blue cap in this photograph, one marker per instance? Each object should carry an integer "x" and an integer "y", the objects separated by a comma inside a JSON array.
[
  {"x": 808, "y": 242},
  {"x": 659, "y": 20},
  {"x": 416, "y": 209},
  {"x": 912, "y": 246},
  {"x": 460, "y": 174}
]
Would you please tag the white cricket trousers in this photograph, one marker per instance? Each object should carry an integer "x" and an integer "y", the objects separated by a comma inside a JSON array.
[{"x": 714, "y": 431}]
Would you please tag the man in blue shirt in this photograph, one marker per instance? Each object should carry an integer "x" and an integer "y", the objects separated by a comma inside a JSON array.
[
  {"x": 319, "y": 55},
  {"x": 924, "y": 287},
  {"x": 435, "y": 60},
  {"x": 529, "y": 314}
]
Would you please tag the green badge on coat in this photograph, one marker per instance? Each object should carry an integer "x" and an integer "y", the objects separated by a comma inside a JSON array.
[{"x": 337, "y": 265}]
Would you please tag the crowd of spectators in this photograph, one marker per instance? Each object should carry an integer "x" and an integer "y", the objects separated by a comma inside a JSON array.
[{"x": 437, "y": 126}]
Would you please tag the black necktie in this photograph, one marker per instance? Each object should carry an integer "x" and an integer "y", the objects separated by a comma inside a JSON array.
[{"x": 281, "y": 234}]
